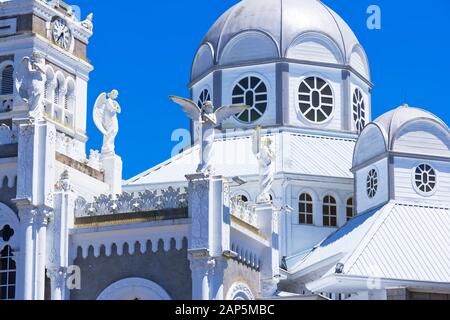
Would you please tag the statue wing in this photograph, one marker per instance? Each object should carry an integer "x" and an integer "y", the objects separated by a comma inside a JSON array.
[
  {"x": 224, "y": 113},
  {"x": 189, "y": 107},
  {"x": 99, "y": 110},
  {"x": 22, "y": 74}
]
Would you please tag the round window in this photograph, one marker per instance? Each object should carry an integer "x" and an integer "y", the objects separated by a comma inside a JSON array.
[
  {"x": 315, "y": 99},
  {"x": 425, "y": 179},
  {"x": 359, "y": 110},
  {"x": 252, "y": 92},
  {"x": 372, "y": 183}
]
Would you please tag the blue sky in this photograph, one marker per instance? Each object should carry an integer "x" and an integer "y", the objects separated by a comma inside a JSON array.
[{"x": 145, "y": 49}]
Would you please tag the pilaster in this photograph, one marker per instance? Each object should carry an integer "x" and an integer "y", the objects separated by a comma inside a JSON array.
[{"x": 210, "y": 236}]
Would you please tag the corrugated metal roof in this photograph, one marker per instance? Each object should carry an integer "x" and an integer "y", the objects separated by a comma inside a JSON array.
[
  {"x": 411, "y": 243},
  {"x": 399, "y": 241},
  {"x": 297, "y": 154},
  {"x": 322, "y": 156}
]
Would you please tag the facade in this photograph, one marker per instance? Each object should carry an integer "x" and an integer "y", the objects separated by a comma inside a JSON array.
[{"x": 308, "y": 197}]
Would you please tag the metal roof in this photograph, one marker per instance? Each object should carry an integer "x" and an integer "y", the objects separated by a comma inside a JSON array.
[
  {"x": 399, "y": 241},
  {"x": 296, "y": 154},
  {"x": 283, "y": 21},
  {"x": 390, "y": 122}
]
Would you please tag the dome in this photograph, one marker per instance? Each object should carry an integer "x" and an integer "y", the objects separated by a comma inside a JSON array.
[
  {"x": 391, "y": 122},
  {"x": 279, "y": 24}
]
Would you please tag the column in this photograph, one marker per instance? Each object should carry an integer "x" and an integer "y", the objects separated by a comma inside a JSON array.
[
  {"x": 200, "y": 264},
  {"x": 25, "y": 271},
  {"x": 41, "y": 223},
  {"x": 57, "y": 278}
]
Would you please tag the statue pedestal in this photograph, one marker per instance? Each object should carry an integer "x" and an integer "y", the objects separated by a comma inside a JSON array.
[
  {"x": 210, "y": 236},
  {"x": 112, "y": 165}
]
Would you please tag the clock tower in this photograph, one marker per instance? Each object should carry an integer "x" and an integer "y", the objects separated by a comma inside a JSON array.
[
  {"x": 52, "y": 30},
  {"x": 45, "y": 43}
]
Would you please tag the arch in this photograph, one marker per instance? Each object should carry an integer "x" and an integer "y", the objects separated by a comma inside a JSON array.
[
  {"x": 203, "y": 60},
  {"x": 49, "y": 83},
  {"x": 9, "y": 218},
  {"x": 69, "y": 102},
  {"x": 59, "y": 91},
  {"x": 241, "y": 48},
  {"x": 315, "y": 46},
  {"x": 240, "y": 291},
  {"x": 359, "y": 62},
  {"x": 134, "y": 289},
  {"x": 422, "y": 136},
  {"x": 7, "y": 78},
  {"x": 371, "y": 143}
]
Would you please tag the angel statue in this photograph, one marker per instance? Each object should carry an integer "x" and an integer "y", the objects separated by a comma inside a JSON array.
[
  {"x": 106, "y": 109},
  {"x": 208, "y": 120},
  {"x": 262, "y": 148},
  {"x": 30, "y": 81}
]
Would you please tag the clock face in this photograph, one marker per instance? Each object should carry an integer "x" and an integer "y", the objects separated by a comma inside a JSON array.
[{"x": 62, "y": 34}]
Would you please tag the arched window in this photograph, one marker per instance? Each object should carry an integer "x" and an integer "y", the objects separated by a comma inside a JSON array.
[
  {"x": 305, "y": 209},
  {"x": 329, "y": 211},
  {"x": 350, "y": 209},
  {"x": 7, "y": 87},
  {"x": 7, "y": 274},
  {"x": 57, "y": 95},
  {"x": 48, "y": 89}
]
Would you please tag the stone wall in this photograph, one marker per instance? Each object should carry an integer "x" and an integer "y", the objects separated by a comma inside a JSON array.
[{"x": 170, "y": 270}]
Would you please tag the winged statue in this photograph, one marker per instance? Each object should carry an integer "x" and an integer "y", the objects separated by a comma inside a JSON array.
[
  {"x": 30, "y": 81},
  {"x": 106, "y": 109},
  {"x": 208, "y": 121}
]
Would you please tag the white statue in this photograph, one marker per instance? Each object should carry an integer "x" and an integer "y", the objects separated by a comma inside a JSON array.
[
  {"x": 262, "y": 148},
  {"x": 30, "y": 82},
  {"x": 105, "y": 117},
  {"x": 88, "y": 24},
  {"x": 208, "y": 121}
]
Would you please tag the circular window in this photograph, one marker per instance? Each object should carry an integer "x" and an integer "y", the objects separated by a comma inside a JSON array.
[
  {"x": 372, "y": 183},
  {"x": 204, "y": 96},
  {"x": 425, "y": 178},
  {"x": 252, "y": 92},
  {"x": 359, "y": 110},
  {"x": 315, "y": 99}
]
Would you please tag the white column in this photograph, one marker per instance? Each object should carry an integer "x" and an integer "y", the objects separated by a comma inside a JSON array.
[
  {"x": 25, "y": 274},
  {"x": 57, "y": 280},
  {"x": 200, "y": 267},
  {"x": 41, "y": 223}
]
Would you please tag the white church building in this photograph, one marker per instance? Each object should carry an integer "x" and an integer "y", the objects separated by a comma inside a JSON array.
[{"x": 305, "y": 196}]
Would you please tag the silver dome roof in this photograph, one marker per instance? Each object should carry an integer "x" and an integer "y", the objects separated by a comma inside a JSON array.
[
  {"x": 282, "y": 20},
  {"x": 391, "y": 122}
]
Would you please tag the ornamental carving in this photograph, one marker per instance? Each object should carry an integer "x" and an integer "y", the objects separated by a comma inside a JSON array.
[{"x": 146, "y": 201}]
